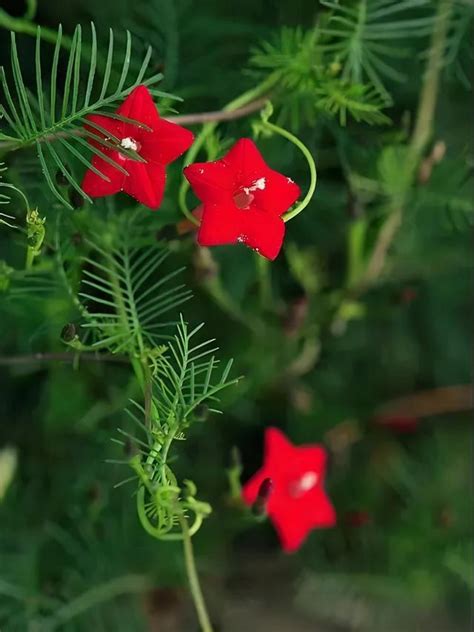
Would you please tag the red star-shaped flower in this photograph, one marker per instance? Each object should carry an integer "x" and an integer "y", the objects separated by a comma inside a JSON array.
[
  {"x": 243, "y": 200},
  {"x": 298, "y": 502},
  {"x": 160, "y": 146}
]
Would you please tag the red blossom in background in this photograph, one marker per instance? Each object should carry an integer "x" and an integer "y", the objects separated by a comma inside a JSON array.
[
  {"x": 399, "y": 423},
  {"x": 298, "y": 502},
  {"x": 243, "y": 200},
  {"x": 161, "y": 145},
  {"x": 357, "y": 519}
]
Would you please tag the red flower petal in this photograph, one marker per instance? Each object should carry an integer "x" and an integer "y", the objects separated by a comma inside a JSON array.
[
  {"x": 225, "y": 224},
  {"x": 159, "y": 145},
  {"x": 277, "y": 447},
  {"x": 146, "y": 182},
  {"x": 139, "y": 106},
  {"x": 273, "y": 191},
  {"x": 220, "y": 225},
  {"x": 292, "y": 533},
  {"x": 279, "y": 193},
  {"x": 324, "y": 514},
  {"x": 95, "y": 186},
  {"x": 298, "y": 502},
  {"x": 243, "y": 199},
  {"x": 167, "y": 144},
  {"x": 263, "y": 232},
  {"x": 211, "y": 181},
  {"x": 245, "y": 160}
]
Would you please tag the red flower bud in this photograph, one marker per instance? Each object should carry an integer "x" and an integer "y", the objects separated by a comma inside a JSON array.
[{"x": 263, "y": 495}]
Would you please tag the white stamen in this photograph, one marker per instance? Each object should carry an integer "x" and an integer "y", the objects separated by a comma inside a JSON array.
[
  {"x": 308, "y": 481},
  {"x": 129, "y": 143},
  {"x": 304, "y": 484},
  {"x": 257, "y": 185}
]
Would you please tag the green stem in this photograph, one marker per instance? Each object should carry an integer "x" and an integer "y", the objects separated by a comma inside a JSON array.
[
  {"x": 312, "y": 168},
  {"x": 30, "y": 257},
  {"x": 208, "y": 128},
  {"x": 421, "y": 135},
  {"x": 428, "y": 98},
  {"x": 193, "y": 578},
  {"x": 264, "y": 280}
]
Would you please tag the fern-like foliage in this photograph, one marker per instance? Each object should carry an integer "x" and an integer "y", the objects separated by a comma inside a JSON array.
[
  {"x": 292, "y": 53},
  {"x": 6, "y": 189},
  {"x": 361, "y": 102},
  {"x": 360, "y": 36},
  {"x": 459, "y": 53},
  {"x": 50, "y": 117},
  {"x": 314, "y": 83},
  {"x": 186, "y": 381},
  {"x": 123, "y": 299}
]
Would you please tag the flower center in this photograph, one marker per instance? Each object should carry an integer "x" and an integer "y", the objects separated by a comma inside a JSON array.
[
  {"x": 129, "y": 143},
  {"x": 304, "y": 484},
  {"x": 244, "y": 197}
]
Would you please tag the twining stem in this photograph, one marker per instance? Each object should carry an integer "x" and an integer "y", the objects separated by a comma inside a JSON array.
[
  {"x": 311, "y": 164},
  {"x": 193, "y": 578}
]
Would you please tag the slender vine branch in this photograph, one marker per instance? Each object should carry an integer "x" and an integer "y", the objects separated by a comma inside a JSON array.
[
  {"x": 33, "y": 358},
  {"x": 193, "y": 577},
  {"x": 421, "y": 135},
  {"x": 183, "y": 119},
  {"x": 218, "y": 116},
  {"x": 435, "y": 401},
  {"x": 429, "y": 94}
]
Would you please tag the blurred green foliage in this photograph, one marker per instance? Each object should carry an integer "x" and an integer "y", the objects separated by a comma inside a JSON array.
[{"x": 322, "y": 347}]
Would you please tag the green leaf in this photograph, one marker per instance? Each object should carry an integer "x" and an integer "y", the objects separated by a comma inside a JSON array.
[{"x": 357, "y": 33}]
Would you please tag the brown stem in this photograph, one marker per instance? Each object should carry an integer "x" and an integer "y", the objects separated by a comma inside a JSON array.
[
  {"x": 437, "y": 401},
  {"x": 183, "y": 119},
  {"x": 219, "y": 115},
  {"x": 33, "y": 358}
]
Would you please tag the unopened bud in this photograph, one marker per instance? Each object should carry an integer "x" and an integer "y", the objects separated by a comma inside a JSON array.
[
  {"x": 259, "y": 507},
  {"x": 68, "y": 332},
  {"x": 76, "y": 199}
]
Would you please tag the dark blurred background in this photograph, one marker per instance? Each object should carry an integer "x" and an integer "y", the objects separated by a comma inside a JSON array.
[{"x": 381, "y": 377}]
